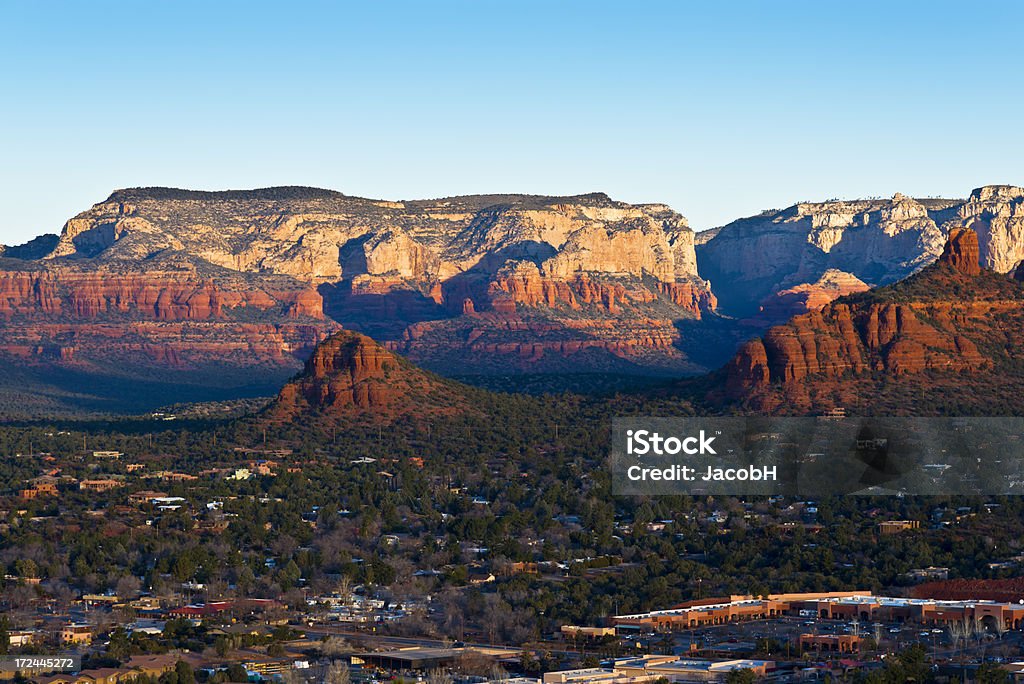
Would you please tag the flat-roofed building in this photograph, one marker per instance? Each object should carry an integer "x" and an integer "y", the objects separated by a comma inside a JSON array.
[
  {"x": 417, "y": 658},
  {"x": 590, "y": 674},
  {"x": 99, "y": 485},
  {"x": 858, "y": 605},
  {"x": 39, "y": 489},
  {"x": 75, "y": 634},
  {"x": 837, "y": 643},
  {"x": 22, "y": 637},
  {"x": 654, "y": 667},
  {"x": 144, "y": 496},
  {"x": 897, "y": 526},
  {"x": 574, "y": 632},
  {"x": 690, "y": 669}
]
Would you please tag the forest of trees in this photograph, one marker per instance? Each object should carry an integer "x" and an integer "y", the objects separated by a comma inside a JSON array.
[{"x": 323, "y": 522}]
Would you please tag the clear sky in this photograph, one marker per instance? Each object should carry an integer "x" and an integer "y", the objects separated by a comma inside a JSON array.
[{"x": 718, "y": 109}]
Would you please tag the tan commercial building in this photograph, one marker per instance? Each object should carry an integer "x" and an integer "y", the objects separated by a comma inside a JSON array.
[
  {"x": 574, "y": 632},
  {"x": 720, "y": 611},
  {"x": 837, "y": 643},
  {"x": 897, "y": 526},
  {"x": 99, "y": 485},
  {"x": 75, "y": 634},
  {"x": 856, "y": 605},
  {"x": 654, "y": 667}
]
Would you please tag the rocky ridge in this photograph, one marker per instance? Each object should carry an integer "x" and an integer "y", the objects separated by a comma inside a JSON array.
[
  {"x": 751, "y": 260},
  {"x": 584, "y": 268},
  {"x": 155, "y": 280},
  {"x": 800, "y": 299},
  {"x": 949, "y": 325}
]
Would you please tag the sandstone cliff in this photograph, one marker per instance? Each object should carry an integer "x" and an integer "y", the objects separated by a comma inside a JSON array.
[
  {"x": 951, "y": 325},
  {"x": 806, "y": 297},
  {"x": 878, "y": 242},
  {"x": 585, "y": 268},
  {"x": 349, "y": 376},
  {"x": 495, "y": 283},
  {"x": 996, "y": 212},
  {"x": 322, "y": 236}
]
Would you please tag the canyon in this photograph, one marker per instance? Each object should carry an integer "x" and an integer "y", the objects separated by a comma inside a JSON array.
[
  {"x": 876, "y": 241},
  {"x": 239, "y": 287},
  {"x": 948, "y": 334}
]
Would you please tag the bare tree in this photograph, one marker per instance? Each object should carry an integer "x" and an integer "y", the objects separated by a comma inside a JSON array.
[
  {"x": 439, "y": 677},
  {"x": 1001, "y": 627},
  {"x": 290, "y": 676},
  {"x": 334, "y": 646},
  {"x": 337, "y": 673},
  {"x": 497, "y": 673},
  {"x": 128, "y": 587}
]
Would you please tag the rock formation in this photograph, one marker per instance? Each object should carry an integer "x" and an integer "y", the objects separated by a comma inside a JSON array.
[
  {"x": 877, "y": 241},
  {"x": 961, "y": 252},
  {"x": 350, "y": 376},
  {"x": 996, "y": 212},
  {"x": 492, "y": 283},
  {"x": 806, "y": 297},
  {"x": 952, "y": 320},
  {"x": 36, "y": 248},
  {"x": 584, "y": 268},
  {"x": 752, "y": 260}
]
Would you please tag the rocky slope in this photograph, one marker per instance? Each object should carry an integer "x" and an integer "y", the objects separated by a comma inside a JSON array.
[
  {"x": 350, "y": 377},
  {"x": 752, "y": 260},
  {"x": 89, "y": 336},
  {"x": 940, "y": 339},
  {"x": 800, "y": 299},
  {"x": 37, "y": 248}
]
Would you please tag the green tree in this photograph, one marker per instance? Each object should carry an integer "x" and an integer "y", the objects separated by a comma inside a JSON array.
[
  {"x": 120, "y": 645},
  {"x": 26, "y": 568},
  {"x": 990, "y": 673},
  {"x": 184, "y": 672},
  {"x": 237, "y": 673},
  {"x": 5, "y": 634},
  {"x": 743, "y": 676}
]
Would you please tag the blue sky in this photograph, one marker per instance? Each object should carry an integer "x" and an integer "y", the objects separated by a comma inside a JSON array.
[{"x": 718, "y": 109}]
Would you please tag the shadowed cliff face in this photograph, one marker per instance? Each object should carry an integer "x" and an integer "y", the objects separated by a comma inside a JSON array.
[
  {"x": 756, "y": 263},
  {"x": 951, "y": 325}
]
